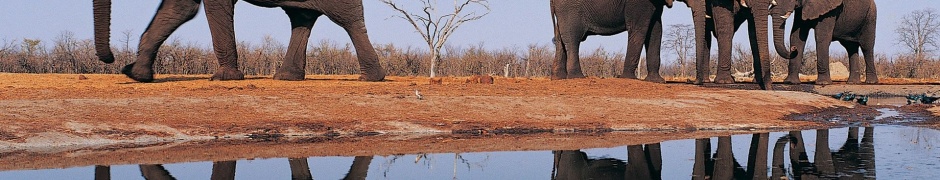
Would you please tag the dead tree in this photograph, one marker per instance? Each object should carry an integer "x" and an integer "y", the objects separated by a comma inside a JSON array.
[
  {"x": 680, "y": 38},
  {"x": 919, "y": 32},
  {"x": 436, "y": 27}
]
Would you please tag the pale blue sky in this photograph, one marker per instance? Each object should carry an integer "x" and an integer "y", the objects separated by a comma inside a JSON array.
[{"x": 512, "y": 23}]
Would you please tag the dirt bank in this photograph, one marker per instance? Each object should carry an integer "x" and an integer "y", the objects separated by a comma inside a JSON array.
[{"x": 66, "y": 110}]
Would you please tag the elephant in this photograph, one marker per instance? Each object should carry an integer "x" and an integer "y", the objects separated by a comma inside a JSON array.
[
  {"x": 723, "y": 18},
  {"x": 852, "y": 23},
  {"x": 853, "y": 160},
  {"x": 723, "y": 165},
  {"x": 643, "y": 162},
  {"x": 302, "y": 13},
  {"x": 575, "y": 20}
]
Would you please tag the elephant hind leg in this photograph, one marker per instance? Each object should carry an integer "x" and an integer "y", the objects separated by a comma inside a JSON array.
[
  {"x": 851, "y": 49},
  {"x": 653, "y": 45},
  {"x": 350, "y": 17},
  {"x": 295, "y": 60},
  {"x": 559, "y": 67}
]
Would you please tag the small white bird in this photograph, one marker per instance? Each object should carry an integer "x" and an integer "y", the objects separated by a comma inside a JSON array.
[{"x": 418, "y": 94}]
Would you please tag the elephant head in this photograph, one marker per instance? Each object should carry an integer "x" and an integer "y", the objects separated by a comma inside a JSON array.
[
  {"x": 102, "y": 16},
  {"x": 803, "y": 9}
]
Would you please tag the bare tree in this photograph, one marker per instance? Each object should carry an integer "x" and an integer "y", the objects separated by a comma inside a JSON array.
[
  {"x": 437, "y": 27},
  {"x": 680, "y": 39},
  {"x": 919, "y": 32}
]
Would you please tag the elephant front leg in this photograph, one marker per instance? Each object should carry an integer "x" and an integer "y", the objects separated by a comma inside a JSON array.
[
  {"x": 653, "y": 44},
  {"x": 220, "y": 16},
  {"x": 170, "y": 16},
  {"x": 724, "y": 31},
  {"x": 296, "y": 59}
]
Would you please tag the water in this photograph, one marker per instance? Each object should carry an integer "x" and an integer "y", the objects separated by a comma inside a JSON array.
[{"x": 884, "y": 152}]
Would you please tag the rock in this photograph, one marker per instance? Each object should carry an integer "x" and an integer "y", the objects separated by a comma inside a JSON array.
[
  {"x": 480, "y": 79},
  {"x": 82, "y": 77},
  {"x": 837, "y": 70}
]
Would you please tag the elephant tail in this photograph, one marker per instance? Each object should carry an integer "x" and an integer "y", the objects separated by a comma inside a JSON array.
[
  {"x": 102, "y": 21},
  {"x": 557, "y": 40}
]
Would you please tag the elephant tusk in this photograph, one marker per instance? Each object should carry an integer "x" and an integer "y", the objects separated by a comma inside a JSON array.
[
  {"x": 773, "y": 2},
  {"x": 786, "y": 16},
  {"x": 743, "y": 3},
  {"x": 708, "y": 17}
]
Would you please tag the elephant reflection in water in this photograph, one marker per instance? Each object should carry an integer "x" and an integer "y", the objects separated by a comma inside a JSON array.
[
  {"x": 723, "y": 165},
  {"x": 643, "y": 162},
  {"x": 853, "y": 160},
  {"x": 226, "y": 170}
]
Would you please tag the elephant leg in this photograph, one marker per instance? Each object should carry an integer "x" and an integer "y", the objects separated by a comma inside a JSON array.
[
  {"x": 798, "y": 38},
  {"x": 757, "y": 157},
  {"x": 702, "y": 37},
  {"x": 170, "y": 16},
  {"x": 654, "y": 41},
  {"x": 350, "y": 17},
  {"x": 559, "y": 66},
  {"x": 823, "y": 157},
  {"x": 823, "y": 32},
  {"x": 155, "y": 172},
  {"x": 574, "y": 61},
  {"x": 635, "y": 41},
  {"x": 724, "y": 31},
  {"x": 867, "y": 43},
  {"x": 759, "y": 42},
  {"x": 220, "y": 15},
  {"x": 223, "y": 170},
  {"x": 299, "y": 168},
  {"x": 296, "y": 58},
  {"x": 724, "y": 159},
  {"x": 855, "y": 72}
]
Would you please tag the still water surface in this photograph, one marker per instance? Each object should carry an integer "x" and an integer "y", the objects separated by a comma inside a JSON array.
[{"x": 883, "y": 152}]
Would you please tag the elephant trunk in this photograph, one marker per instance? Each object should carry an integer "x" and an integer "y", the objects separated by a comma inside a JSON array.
[
  {"x": 701, "y": 38},
  {"x": 102, "y": 16},
  {"x": 780, "y": 25}
]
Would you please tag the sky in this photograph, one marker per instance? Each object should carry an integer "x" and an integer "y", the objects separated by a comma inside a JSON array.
[{"x": 511, "y": 24}]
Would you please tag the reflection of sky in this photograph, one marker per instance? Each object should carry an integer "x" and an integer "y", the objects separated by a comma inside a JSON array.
[{"x": 898, "y": 157}]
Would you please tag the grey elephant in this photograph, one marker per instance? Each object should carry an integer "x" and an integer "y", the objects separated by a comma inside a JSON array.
[
  {"x": 575, "y": 20},
  {"x": 303, "y": 13},
  {"x": 851, "y": 22},
  {"x": 723, "y": 18}
]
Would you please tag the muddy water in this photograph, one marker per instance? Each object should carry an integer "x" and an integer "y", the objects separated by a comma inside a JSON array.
[{"x": 883, "y": 152}]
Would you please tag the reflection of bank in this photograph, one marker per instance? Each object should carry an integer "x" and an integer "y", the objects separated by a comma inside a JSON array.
[
  {"x": 643, "y": 162},
  {"x": 853, "y": 160}
]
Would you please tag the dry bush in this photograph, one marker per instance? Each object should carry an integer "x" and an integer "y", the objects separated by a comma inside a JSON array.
[{"x": 69, "y": 55}]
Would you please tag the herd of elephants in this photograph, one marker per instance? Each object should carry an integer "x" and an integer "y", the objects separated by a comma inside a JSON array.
[
  {"x": 853, "y": 160},
  {"x": 851, "y": 22}
]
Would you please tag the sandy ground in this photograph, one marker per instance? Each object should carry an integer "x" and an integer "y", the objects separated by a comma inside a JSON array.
[{"x": 70, "y": 120}]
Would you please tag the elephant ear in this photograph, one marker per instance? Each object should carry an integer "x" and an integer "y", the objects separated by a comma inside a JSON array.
[{"x": 813, "y": 9}]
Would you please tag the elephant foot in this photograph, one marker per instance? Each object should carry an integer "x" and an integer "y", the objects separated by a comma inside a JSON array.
[
  {"x": 699, "y": 81},
  {"x": 577, "y": 75},
  {"x": 655, "y": 79},
  {"x": 226, "y": 74},
  {"x": 871, "y": 80},
  {"x": 823, "y": 80},
  {"x": 558, "y": 77},
  {"x": 372, "y": 75},
  {"x": 628, "y": 76},
  {"x": 288, "y": 76},
  {"x": 854, "y": 80},
  {"x": 792, "y": 80},
  {"x": 724, "y": 79},
  {"x": 139, "y": 74}
]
